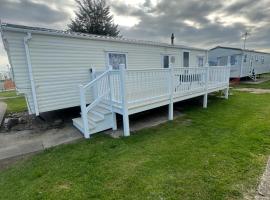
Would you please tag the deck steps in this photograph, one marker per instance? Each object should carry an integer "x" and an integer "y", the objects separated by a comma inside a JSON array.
[{"x": 99, "y": 119}]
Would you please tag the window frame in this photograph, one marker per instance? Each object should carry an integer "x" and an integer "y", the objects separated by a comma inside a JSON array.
[
  {"x": 262, "y": 59},
  {"x": 245, "y": 58},
  {"x": 235, "y": 60},
  {"x": 162, "y": 59},
  {"x": 198, "y": 57},
  {"x": 186, "y": 51},
  {"x": 256, "y": 58},
  {"x": 116, "y": 52}
]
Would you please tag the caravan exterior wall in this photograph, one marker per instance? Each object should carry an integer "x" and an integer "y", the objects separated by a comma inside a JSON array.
[
  {"x": 61, "y": 63},
  {"x": 242, "y": 62}
]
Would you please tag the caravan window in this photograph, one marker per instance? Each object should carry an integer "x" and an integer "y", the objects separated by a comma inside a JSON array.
[
  {"x": 222, "y": 61},
  {"x": 165, "y": 61},
  {"x": 186, "y": 59},
  {"x": 245, "y": 58},
  {"x": 256, "y": 58},
  {"x": 200, "y": 61},
  {"x": 233, "y": 60},
  {"x": 262, "y": 59},
  {"x": 115, "y": 59}
]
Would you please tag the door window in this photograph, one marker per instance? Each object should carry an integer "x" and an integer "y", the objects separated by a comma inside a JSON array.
[{"x": 116, "y": 59}]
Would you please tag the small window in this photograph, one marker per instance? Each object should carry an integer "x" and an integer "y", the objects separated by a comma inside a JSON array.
[
  {"x": 200, "y": 61},
  {"x": 116, "y": 59},
  {"x": 165, "y": 61},
  {"x": 233, "y": 60},
  {"x": 256, "y": 58},
  {"x": 222, "y": 61},
  {"x": 245, "y": 58},
  {"x": 186, "y": 59},
  {"x": 262, "y": 59}
]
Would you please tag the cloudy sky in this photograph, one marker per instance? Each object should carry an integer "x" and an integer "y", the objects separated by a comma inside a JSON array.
[{"x": 200, "y": 23}]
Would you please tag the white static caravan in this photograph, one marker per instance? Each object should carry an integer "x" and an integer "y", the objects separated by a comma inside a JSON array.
[
  {"x": 243, "y": 62},
  {"x": 105, "y": 75}
]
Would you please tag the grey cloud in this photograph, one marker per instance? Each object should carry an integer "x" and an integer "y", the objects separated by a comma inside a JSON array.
[
  {"x": 158, "y": 22},
  {"x": 30, "y": 12}
]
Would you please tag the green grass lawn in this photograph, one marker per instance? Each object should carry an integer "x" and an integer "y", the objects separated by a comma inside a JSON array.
[
  {"x": 17, "y": 104},
  {"x": 8, "y": 94},
  {"x": 215, "y": 153}
]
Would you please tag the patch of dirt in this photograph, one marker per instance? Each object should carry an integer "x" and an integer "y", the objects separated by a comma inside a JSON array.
[
  {"x": 24, "y": 121},
  {"x": 46, "y": 121},
  {"x": 254, "y": 90}
]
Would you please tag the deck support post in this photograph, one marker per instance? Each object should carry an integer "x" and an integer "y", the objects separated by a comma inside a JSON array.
[
  {"x": 124, "y": 100},
  {"x": 84, "y": 113},
  {"x": 226, "y": 93},
  {"x": 205, "y": 98},
  {"x": 171, "y": 85},
  {"x": 114, "y": 127}
]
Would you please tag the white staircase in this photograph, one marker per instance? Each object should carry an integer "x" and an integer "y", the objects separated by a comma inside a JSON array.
[
  {"x": 99, "y": 119},
  {"x": 252, "y": 74},
  {"x": 98, "y": 115}
]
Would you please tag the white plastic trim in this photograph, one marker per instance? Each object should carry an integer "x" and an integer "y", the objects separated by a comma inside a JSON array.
[{"x": 26, "y": 40}]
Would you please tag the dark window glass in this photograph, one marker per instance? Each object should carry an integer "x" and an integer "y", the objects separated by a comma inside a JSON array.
[
  {"x": 165, "y": 61},
  {"x": 186, "y": 59},
  {"x": 245, "y": 58},
  {"x": 233, "y": 60}
]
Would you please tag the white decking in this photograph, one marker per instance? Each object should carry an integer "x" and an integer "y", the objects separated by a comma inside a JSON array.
[{"x": 131, "y": 91}]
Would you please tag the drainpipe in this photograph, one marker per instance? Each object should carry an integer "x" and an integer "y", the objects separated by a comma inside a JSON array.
[{"x": 26, "y": 40}]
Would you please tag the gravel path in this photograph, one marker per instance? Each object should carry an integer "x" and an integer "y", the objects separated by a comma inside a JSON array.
[
  {"x": 253, "y": 90},
  {"x": 263, "y": 191}
]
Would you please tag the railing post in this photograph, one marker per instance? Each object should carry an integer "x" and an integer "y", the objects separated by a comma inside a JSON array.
[
  {"x": 84, "y": 113},
  {"x": 114, "y": 123},
  {"x": 124, "y": 100},
  {"x": 227, "y": 80},
  {"x": 171, "y": 91},
  {"x": 205, "y": 96},
  {"x": 93, "y": 76}
]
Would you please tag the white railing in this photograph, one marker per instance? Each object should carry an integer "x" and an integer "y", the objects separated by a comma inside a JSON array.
[
  {"x": 189, "y": 79},
  {"x": 100, "y": 89},
  {"x": 125, "y": 88},
  {"x": 218, "y": 76},
  {"x": 146, "y": 84}
]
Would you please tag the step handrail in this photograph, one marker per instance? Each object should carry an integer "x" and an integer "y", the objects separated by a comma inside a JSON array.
[
  {"x": 84, "y": 108},
  {"x": 96, "y": 79}
]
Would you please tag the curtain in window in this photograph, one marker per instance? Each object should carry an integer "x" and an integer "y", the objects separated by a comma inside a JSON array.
[{"x": 116, "y": 59}]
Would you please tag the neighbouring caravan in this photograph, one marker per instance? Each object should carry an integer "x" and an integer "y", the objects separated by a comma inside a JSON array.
[
  {"x": 243, "y": 62},
  {"x": 105, "y": 75}
]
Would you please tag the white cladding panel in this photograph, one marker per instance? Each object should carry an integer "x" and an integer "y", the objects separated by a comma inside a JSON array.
[
  {"x": 18, "y": 63},
  {"x": 253, "y": 61},
  {"x": 60, "y": 64}
]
